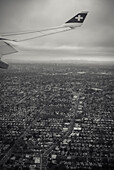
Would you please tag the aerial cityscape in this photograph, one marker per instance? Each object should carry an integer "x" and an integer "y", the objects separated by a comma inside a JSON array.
[
  {"x": 57, "y": 117},
  {"x": 57, "y": 85}
]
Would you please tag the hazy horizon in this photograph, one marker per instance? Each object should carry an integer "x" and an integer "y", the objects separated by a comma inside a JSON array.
[{"x": 74, "y": 62}]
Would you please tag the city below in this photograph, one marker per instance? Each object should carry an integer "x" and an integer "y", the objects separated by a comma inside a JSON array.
[{"x": 57, "y": 117}]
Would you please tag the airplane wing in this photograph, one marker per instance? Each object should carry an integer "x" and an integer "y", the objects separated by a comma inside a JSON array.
[
  {"x": 5, "y": 49},
  {"x": 6, "y": 39},
  {"x": 28, "y": 35}
]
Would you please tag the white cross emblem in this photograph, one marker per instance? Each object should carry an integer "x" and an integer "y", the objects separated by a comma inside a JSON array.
[{"x": 79, "y": 18}]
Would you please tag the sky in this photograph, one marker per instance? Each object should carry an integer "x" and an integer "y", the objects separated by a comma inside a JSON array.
[{"x": 93, "y": 41}]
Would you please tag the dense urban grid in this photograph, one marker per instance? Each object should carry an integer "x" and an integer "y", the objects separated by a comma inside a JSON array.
[{"x": 57, "y": 117}]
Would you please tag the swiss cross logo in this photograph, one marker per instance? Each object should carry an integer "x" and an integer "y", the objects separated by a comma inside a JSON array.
[{"x": 79, "y": 18}]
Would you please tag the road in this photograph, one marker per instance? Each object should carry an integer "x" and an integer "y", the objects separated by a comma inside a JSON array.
[{"x": 44, "y": 156}]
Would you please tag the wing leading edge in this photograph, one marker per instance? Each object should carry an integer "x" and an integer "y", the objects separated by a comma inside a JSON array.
[{"x": 6, "y": 46}]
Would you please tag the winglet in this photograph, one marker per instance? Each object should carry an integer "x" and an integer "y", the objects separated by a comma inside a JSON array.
[{"x": 77, "y": 20}]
